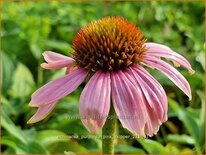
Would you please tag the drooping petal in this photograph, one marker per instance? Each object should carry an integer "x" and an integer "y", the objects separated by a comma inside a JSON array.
[
  {"x": 153, "y": 83},
  {"x": 42, "y": 112},
  {"x": 177, "y": 78},
  {"x": 59, "y": 88},
  {"x": 154, "y": 116},
  {"x": 95, "y": 101},
  {"x": 158, "y": 50},
  {"x": 153, "y": 122},
  {"x": 128, "y": 103},
  {"x": 153, "y": 92},
  {"x": 56, "y": 61}
]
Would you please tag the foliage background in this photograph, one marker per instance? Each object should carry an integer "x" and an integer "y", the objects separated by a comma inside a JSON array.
[{"x": 29, "y": 28}]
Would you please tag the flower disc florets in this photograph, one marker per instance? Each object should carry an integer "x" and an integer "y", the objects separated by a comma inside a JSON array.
[{"x": 110, "y": 44}]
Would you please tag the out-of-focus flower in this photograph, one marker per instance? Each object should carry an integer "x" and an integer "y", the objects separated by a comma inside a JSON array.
[{"x": 113, "y": 51}]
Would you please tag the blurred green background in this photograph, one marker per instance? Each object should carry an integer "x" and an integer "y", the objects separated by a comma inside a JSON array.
[{"x": 29, "y": 28}]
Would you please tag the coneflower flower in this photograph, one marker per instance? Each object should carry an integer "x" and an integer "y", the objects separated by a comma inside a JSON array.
[{"x": 113, "y": 52}]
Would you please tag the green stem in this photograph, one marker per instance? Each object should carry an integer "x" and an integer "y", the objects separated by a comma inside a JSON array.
[
  {"x": 40, "y": 76},
  {"x": 109, "y": 133}
]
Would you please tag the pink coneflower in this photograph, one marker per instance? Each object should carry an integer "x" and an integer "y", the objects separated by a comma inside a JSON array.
[{"x": 113, "y": 52}]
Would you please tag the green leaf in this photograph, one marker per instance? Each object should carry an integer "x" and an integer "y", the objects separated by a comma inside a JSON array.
[
  {"x": 36, "y": 50},
  {"x": 187, "y": 119},
  {"x": 58, "y": 142},
  {"x": 35, "y": 148},
  {"x": 191, "y": 123},
  {"x": 14, "y": 145},
  {"x": 202, "y": 120},
  {"x": 48, "y": 137},
  {"x": 20, "y": 148},
  {"x": 12, "y": 129},
  {"x": 60, "y": 45},
  {"x": 126, "y": 149},
  {"x": 18, "y": 139},
  {"x": 71, "y": 146},
  {"x": 153, "y": 147},
  {"x": 9, "y": 109},
  {"x": 23, "y": 82},
  {"x": 7, "y": 72},
  {"x": 57, "y": 74},
  {"x": 184, "y": 139},
  {"x": 201, "y": 59}
]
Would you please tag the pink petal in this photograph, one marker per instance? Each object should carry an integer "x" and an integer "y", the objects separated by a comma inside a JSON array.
[
  {"x": 153, "y": 122},
  {"x": 158, "y": 50},
  {"x": 154, "y": 93},
  {"x": 50, "y": 56},
  {"x": 171, "y": 73},
  {"x": 56, "y": 61},
  {"x": 95, "y": 101},
  {"x": 128, "y": 103},
  {"x": 70, "y": 68},
  {"x": 56, "y": 65},
  {"x": 41, "y": 113},
  {"x": 59, "y": 88},
  {"x": 152, "y": 117},
  {"x": 153, "y": 83}
]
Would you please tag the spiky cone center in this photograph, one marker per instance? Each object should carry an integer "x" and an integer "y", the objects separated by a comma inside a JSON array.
[{"x": 110, "y": 43}]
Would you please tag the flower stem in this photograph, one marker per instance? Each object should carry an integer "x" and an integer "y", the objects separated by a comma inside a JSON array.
[
  {"x": 109, "y": 133},
  {"x": 40, "y": 76}
]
